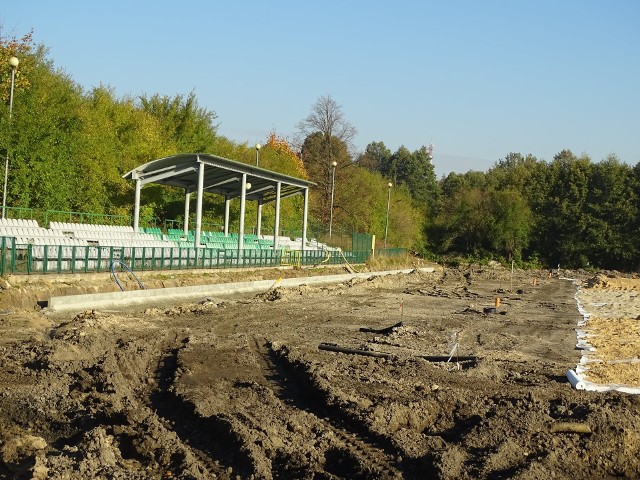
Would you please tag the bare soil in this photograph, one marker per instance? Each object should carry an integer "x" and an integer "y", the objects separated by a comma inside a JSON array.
[{"x": 237, "y": 387}]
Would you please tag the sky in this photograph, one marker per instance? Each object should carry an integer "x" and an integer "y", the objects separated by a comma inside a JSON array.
[{"x": 478, "y": 79}]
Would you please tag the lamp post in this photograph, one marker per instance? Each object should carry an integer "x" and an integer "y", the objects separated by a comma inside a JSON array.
[
  {"x": 334, "y": 164},
  {"x": 13, "y": 63},
  {"x": 386, "y": 225},
  {"x": 258, "y": 147}
]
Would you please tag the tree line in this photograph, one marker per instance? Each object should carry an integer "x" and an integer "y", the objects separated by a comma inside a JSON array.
[{"x": 68, "y": 149}]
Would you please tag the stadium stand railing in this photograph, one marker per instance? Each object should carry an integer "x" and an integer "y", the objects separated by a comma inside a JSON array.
[{"x": 68, "y": 247}]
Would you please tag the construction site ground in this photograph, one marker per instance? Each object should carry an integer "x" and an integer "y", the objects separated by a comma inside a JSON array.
[{"x": 236, "y": 386}]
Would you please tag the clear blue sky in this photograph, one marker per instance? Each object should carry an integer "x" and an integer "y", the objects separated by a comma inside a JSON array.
[{"x": 478, "y": 79}]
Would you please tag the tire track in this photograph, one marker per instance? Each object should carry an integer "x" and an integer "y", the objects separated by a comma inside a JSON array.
[
  {"x": 375, "y": 456},
  {"x": 211, "y": 439}
]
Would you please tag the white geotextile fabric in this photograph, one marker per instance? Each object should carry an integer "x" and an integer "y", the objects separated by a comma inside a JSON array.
[{"x": 577, "y": 377}]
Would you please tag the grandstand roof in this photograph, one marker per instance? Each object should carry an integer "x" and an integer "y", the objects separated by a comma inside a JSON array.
[{"x": 221, "y": 176}]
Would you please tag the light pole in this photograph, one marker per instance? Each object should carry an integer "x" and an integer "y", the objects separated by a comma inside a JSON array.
[
  {"x": 386, "y": 225},
  {"x": 334, "y": 164},
  {"x": 258, "y": 147},
  {"x": 13, "y": 63}
]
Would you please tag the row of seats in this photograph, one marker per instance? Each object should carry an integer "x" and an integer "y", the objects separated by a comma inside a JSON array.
[
  {"x": 68, "y": 226},
  {"x": 106, "y": 242},
  {"x": 80, "y": 229},
  {"x": 51, "y": 241},
  {"x": 18, "y": 222},
  {"x": 115, "y": 235},
  {"x": 14, "y": 231}
]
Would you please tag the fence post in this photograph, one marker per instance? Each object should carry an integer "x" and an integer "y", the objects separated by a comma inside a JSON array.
[
  {"x": 29, "y": 254},
  {"x": 4, "y": 255},
  {"x": 13, "y": 255}
]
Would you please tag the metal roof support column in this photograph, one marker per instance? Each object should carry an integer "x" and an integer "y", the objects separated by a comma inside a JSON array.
[
  {"x": 227, "y": 202},
  {"x": 276, "y": 233},
  {"x": 259, "y": 219},
  {"x": 199, "y": 203},
  {"x": 243, "y": 201},
  {"x": 187, "y": 197},
  {"x": 136, "y": 206},
  {"x": 304, "y": 217}
]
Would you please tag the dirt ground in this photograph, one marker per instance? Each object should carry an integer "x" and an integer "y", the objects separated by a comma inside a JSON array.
[{"x": 238, "y": 388}]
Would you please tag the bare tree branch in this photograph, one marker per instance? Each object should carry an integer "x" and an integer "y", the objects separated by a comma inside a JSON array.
[{"x": 326, "y": 116}]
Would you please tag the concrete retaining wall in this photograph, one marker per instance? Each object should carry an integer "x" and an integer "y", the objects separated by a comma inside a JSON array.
[{"x": 133, "y": 297}]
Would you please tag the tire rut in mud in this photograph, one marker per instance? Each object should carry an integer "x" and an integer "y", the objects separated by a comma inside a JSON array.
[
  {"x": 365, "y": 454},
  {"x": 211, "y": 439}
]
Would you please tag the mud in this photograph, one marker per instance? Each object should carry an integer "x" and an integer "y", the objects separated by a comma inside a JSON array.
[{"x": 237, "y": 387}]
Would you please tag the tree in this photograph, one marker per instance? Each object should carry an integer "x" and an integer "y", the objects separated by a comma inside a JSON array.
[
  {"x": 421, "y": 179},
  {"x": 187, "y": 126},
  {"x": 326, "y": 117},
  {"x": 23, "y": 49},
  {"x": 375, "y": 155},
  {"x": 561, "y": 226},
  {"x": 610, "y": 214},
  {"x": 46, "y": 120},
  {"x": 464, "y": 223},
  {"x": 363, "y": 208},
  {"x": 314, "y": 153},
  {"x": 327, "y": 136},
  {"x": 277, "y": 155},
  {"x": 511, "y": 223}
]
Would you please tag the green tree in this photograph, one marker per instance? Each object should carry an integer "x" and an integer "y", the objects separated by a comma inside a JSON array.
[
  {"x": 454, "y": 183},
  {"x": 464, "y": 223},
  {"x": 45, "y": 143},
  {"x": 561, "y": 225},
  {"x": 327, "y": 135},
  {"x": 376, "y": 155},
  {"x": 415, "y": 170},
  {"x": 314, "y": 154},
  {"x": 362, "y": 206},
  {"x": 185, "y": 125},
  {"x": 609, "y": 215},
  {"x": 511, "y": 223}
]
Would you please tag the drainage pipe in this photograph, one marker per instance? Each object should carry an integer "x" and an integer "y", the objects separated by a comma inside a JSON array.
[{"x": 430, "y": 358}]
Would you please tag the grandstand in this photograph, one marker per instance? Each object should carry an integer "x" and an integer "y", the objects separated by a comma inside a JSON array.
[
  {"x": 27, "y": 247},
  {"x": 204, "y": 173},
  {"x": 78, "y": 247}
]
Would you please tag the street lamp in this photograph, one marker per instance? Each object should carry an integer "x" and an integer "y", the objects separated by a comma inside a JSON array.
[
  {"x": 386, "y": 225},
  {"x": 258, "y": 147},
  {"x": 13, "y": 63},
  {"x": 334, "y": 164}
]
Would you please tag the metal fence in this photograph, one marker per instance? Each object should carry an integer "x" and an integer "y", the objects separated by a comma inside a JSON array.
[{"x": 21, "y": 258}]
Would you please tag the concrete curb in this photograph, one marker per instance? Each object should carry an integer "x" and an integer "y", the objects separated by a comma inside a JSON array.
[{"x": 92, "y": 301}]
